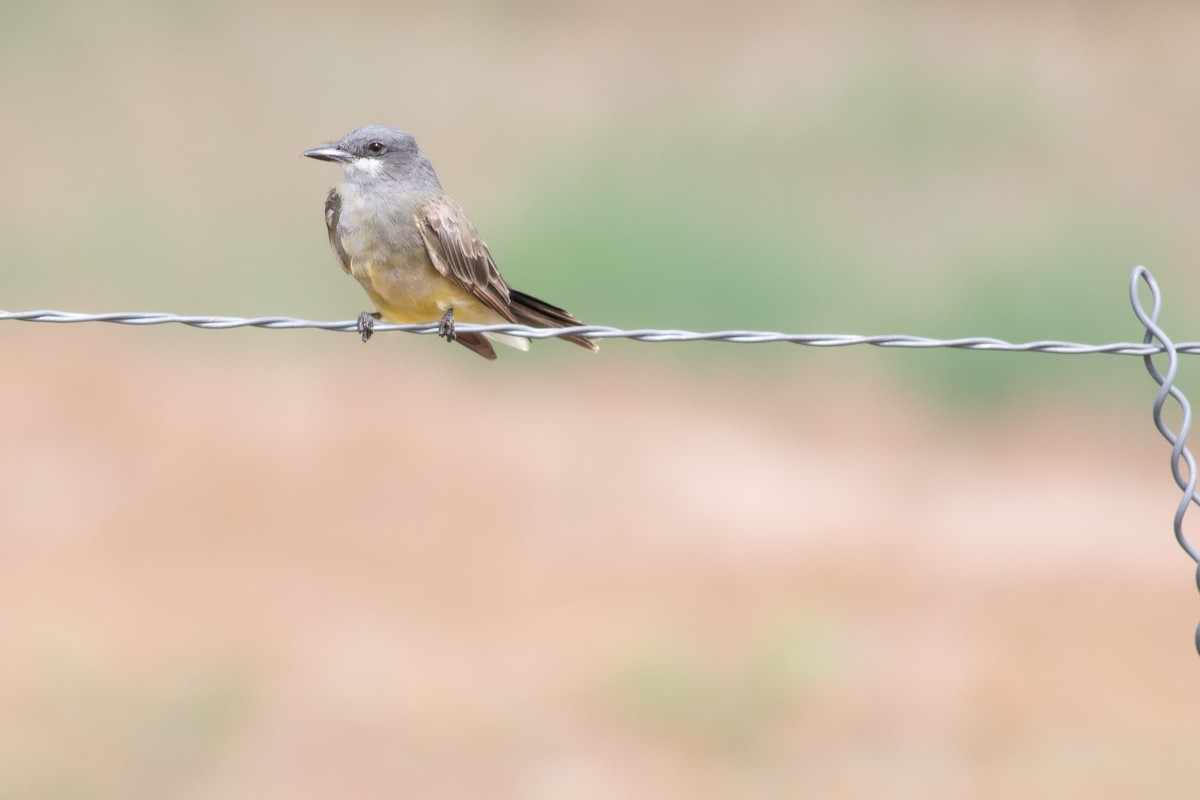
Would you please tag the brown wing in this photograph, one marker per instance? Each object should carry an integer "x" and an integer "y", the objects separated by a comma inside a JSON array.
[
  {"x": 333, "y": 213},
  {"x": 458, "y": 253}
]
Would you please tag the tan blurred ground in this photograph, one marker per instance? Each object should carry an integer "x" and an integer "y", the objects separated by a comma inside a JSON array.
[{"x": 380, "y": 573}]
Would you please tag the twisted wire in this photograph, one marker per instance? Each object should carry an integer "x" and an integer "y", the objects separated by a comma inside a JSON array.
[
  {"x": 1183, "y": 464},
  {"x": 1145, "y": 348},
  {"x": 1185, "y": 479}
]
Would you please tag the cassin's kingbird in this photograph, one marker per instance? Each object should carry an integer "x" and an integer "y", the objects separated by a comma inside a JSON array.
[{"x": 413, "y": 249}]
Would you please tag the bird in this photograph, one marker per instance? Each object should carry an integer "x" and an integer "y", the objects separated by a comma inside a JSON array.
[{"x": 414, "y": 250}]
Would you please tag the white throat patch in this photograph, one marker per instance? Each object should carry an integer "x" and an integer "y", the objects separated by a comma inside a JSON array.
[{"x": 363, "y": 167}]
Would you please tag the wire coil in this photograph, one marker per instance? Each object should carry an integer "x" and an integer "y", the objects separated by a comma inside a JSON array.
[{"x": 1183, "y": 464}]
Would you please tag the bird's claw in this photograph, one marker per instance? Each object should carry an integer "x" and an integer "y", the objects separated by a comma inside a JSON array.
[
  {"x": 366, "y": 325},
  {"x": 446, "y": 326}
]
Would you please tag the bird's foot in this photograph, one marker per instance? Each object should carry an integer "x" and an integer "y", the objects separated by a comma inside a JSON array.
[
  {"x": 366, "y": 324},
  {"x": 446, "y": 326}
]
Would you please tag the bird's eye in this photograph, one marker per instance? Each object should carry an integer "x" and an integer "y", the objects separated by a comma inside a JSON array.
[{"x": 376, "y": 148}]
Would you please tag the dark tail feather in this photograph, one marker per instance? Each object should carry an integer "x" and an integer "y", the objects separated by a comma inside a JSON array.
[
  {"x": 477, "y": 342},
  {"x": 537, "y": 314}
]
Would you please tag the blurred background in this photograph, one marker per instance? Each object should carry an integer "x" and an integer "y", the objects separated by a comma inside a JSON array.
[{"x": 251, "y": 563}]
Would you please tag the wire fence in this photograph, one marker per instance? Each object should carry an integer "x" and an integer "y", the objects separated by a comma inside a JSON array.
[{"x": 1155, "y": 342}]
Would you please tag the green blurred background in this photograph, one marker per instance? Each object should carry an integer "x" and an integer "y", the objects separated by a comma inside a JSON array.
[{"x": 254, "y": 564}]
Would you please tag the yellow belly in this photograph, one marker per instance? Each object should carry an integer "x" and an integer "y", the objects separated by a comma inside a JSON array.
[{"x": 419, "y": 293}]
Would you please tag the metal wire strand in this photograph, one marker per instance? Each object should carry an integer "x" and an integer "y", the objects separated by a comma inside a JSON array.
[{"x": 1145, "y": 348}]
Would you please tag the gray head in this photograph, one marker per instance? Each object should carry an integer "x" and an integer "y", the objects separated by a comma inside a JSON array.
[{"x": 379, "y": 153}]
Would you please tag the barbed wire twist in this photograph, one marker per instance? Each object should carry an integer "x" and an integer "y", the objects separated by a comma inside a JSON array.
[{"x": 1183, "y": 464}]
